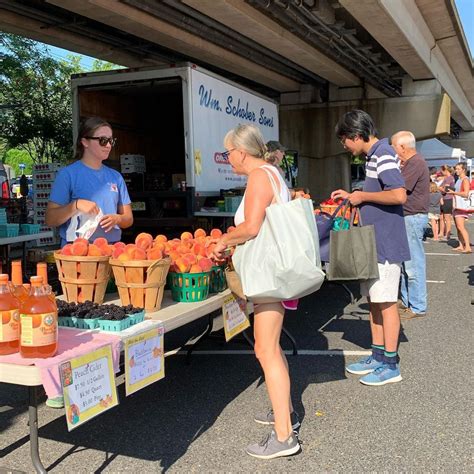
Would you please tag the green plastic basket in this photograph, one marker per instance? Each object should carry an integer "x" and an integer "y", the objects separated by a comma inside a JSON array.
[
  {"x": 9, "y": 230},
  {"x": 107, "y": 325},
  {"x": 65, "y": 321},
  {"x": 218, "y": 282},
  {"x": 87, "y": 323},
  {"x": 189, "y": 287},
  {"x": 137, "y": 317},
  {"x": 27, "y": 229}
]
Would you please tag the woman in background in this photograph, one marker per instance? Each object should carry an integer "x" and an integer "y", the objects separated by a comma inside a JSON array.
[{"x": 445, "y": 221}]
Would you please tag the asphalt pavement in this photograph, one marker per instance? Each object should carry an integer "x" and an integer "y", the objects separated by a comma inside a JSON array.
[{"x": 200, "y": 417}]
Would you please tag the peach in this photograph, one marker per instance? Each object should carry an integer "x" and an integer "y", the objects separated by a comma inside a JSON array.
[
  {"x": 154, "y": 254},
  {"x": 144, "y": 240},
  {"x": 119, "y": 245},
  {"x": 117, "y": 252},
  {"x": 199, "y": 249},
  {"x": 199, "y": 233},
  {"x": 186, "y": 236},
  {"x": 230, "y": 229},
  {"x": 209, "y": 249},
  {"x": 161, "y": 238},
  {"x": 195, "y": 268},
  {"x": 205, "y": 264},
  {"x": 94, "y": 251},
  {"x": 67, "y": 249},
  {"x": 182, "y": 265},
  {"x": 137, "y": 254},
  {"x": 190, "y": 258},
  {"x": 215, "y": 233},
  {"x": 130, "y": 246},
  {"x": 80, "y": 239},
  {"x": 101, "y": 242},
  {"x": 160, "y": 246},
  {"x": 182, "y": 249},
  {"x": 107, "y": 250},
  {"x": 79, "y": 249},
  {"x": 124, "y": 257}
]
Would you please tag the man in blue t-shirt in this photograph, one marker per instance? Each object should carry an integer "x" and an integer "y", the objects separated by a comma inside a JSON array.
[{"x": 381, "y": 205}]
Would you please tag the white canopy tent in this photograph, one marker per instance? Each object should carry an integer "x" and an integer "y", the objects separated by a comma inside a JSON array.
[{"x": 437, "y": 153}]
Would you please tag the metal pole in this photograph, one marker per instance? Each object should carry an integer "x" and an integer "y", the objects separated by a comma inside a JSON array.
[{"x": 33, "y": 422}]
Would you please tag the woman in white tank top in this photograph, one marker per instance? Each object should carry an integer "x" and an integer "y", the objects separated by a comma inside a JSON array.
[{"x": 247, "y": 155}]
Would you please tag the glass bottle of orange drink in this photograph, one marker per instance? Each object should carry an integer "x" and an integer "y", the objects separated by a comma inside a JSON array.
[
  {"x": 9, "y": 319},
  {"x": 38, "y": 322},
  {"x": 20, "y": 290},
  {"x": 42, "y": 271}
]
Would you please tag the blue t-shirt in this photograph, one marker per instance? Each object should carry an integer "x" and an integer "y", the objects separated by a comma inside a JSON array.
[
  {"x": 104, "y": 186},
  {"x": 383, "y": 174}
]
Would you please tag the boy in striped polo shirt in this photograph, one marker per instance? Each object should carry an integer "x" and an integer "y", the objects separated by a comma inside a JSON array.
[{"x": 381, "y": 204}]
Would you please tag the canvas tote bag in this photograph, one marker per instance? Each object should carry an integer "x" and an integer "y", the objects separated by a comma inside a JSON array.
[
  {"x": 282, "y": 262},
  {"x": 353, "y": 252},
  {"x": 464, "y": 204}
]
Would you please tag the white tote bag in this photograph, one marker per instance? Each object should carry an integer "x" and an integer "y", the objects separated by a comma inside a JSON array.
[
  {"x": 282, "y": 262},
  {"x": 464, "y": 204}
]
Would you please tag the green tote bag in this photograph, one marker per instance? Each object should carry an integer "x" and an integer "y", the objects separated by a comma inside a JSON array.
[{"x": 353, "y": 252}]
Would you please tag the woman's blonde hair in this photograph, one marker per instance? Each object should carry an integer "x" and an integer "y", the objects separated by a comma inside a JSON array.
[
  {"x": 249, "y": 138},
  {"x": 433, "y": 188}
]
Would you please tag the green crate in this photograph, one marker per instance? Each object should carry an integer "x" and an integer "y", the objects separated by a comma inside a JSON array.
[
  {"x": 87, "y": 323},
  {"x": 107, "y": 325},
  {"x": 27, "y": 229},
  {"x": 189, "y": 287},
  {"x": 218, "y": 282},
  {"x": 65, "y": 321},
  {"x": 9, "y": 230},
  {"x": 137, "y": 318}
]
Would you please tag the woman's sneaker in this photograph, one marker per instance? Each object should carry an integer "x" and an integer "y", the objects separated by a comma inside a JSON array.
[
  {"x": 270, "y": 447},
  {"x": 269, "y": 419},
  {"x": 364, "y": 366},
  {"x": 382, "y": 376}
]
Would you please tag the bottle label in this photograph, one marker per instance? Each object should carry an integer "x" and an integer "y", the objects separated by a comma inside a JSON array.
[
  {"x": 39, "y": 329},
  {"x": 10, "y": 325}
]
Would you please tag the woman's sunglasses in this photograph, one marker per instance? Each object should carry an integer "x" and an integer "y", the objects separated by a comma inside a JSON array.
[{"x": 104, "y": 140}]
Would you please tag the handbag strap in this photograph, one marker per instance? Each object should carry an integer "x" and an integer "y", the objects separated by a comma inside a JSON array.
[
  {"x": 356, "y": 212},
  {"x": 276, "y": 193}
]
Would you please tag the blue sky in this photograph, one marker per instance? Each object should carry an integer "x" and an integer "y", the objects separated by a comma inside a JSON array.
[
  {"x": 465, "y": 9},
  {"x": 466, "y": 13}
]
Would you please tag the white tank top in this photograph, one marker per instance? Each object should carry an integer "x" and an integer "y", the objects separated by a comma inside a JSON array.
[{"x": 284, "y": 194}]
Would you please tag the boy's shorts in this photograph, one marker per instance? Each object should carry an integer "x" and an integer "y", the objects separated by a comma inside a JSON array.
[
  {"x": 433, "y": 216},
  {"x": 385, "y": 288}
]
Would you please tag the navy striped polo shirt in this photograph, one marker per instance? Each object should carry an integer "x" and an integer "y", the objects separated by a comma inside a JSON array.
[{"x": 383, "y": 174}]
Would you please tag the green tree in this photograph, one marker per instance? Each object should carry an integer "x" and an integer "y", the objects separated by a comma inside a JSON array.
[{"x": 15, "y": 156}]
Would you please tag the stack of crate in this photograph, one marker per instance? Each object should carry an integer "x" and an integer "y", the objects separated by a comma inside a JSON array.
[{"x": 44, "y": 175}]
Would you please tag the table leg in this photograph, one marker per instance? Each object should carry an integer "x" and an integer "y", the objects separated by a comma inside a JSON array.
[
  {"x": 23, "y": 258},
  {"x": 203, "y": 336},
  {"x": 33, "y": 422},
  {"x": 291, "y": 339}
]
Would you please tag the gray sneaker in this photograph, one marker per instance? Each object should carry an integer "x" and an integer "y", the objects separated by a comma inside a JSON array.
[
  {"x": 270, "y": 447},
  {"x": 269, "y": 419}
]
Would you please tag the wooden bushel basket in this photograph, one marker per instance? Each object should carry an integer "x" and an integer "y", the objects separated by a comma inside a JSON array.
[
  {"x": 86, "y": 281},
  {"x": 141, "y": 282}
]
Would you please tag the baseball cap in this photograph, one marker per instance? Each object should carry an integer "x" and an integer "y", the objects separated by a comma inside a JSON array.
[{"x": 273, "y": 145}]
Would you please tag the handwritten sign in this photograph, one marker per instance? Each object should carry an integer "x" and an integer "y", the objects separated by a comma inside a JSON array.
[
  {"x": 234, "y": 312},
  {"x": 144, "y": 359},
  {"x": 88, "y": 386}
]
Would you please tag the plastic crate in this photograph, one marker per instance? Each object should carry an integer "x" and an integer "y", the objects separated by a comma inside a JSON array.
[
  {"x": 27, "y": 229},
  {"x": 116, "y": 326},
  {"x": 218, "y": 282},
  {"x": 9, "y": 230},
  {"x": 67, "y": 321},
  {"x": 232, "y": 203},
  {"x": 87, "y": 323},
  {"x": 189, "y": 287},
  {"x": 137, "y": 318}
]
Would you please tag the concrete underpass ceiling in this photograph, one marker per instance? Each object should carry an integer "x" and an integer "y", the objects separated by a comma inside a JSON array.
[{"x": 277, "y": 45}]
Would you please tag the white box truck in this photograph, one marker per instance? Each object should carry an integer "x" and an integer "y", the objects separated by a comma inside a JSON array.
[{"x": 176, "y": 117}]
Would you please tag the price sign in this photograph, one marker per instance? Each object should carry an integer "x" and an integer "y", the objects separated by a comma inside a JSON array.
[
  {"x": 234, "y": 312},
  {"x": 88, "y": 386},
  {"x": 144, "y": 359}
]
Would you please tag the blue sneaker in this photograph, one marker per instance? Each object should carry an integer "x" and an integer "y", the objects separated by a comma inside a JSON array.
[
  {"x": 382, "y": 376},
  {"x": 364, "y": 366}
]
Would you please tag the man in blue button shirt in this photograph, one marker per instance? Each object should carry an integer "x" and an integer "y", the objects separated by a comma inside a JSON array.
[{"x": 381, "y": 205}]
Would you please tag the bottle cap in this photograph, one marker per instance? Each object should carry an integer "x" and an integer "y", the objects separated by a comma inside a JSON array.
[{"x": 36, "y": 280}]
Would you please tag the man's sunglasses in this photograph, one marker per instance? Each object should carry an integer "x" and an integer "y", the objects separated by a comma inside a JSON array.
[{"x": 104, "y": 140}]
